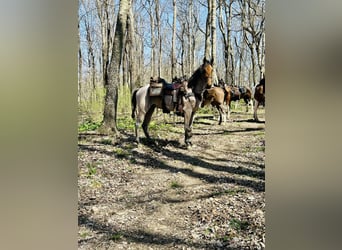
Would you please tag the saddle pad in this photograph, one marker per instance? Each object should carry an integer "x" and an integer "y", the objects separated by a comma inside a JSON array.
[
  {"x": 242, "y": 90},
  {"x": 155, "y": 91},
  {"x": 156, "y": 85}
]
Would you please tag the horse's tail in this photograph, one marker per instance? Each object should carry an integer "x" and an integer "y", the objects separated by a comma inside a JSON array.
[{"x": 134, "y": 102}]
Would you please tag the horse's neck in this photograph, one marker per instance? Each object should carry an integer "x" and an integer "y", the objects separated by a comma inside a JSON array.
[{"x": 196, "y": 84}]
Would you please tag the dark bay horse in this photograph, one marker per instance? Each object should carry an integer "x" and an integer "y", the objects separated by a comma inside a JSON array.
[
  {"x": 259, "y": 97},
  {"x": 241, "y": 92},
  {"x": 237, "y": 93},
  {"x": 143, "y": 105}
]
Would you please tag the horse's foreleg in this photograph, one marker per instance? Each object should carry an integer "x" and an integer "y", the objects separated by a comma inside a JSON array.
[
  {"x": 187, "y": 126},
  {"x": 136, "y": 126},
  {"x": 247, "y": 103},
  {"x": 147, "y": 120},
  {"x": 223, "y": 113},
  {"x": 256, "y": 104},
  {"x": 228, "y": 110},
  {"x": 190, "y": 108},
  {"x": 251, "y": 102}
]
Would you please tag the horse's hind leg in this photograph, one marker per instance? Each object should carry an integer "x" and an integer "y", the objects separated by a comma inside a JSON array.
[
  {"x": 147, "y": 120},
  {"x": 222, "y": 114},
  {"x": 247, "y": 103},
  {"x": 251, "y": 102},
  {"x": 138, "y": 120}
]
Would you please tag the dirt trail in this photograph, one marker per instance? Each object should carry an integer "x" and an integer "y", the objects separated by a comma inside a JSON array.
[{"x": 163, "y": 196}]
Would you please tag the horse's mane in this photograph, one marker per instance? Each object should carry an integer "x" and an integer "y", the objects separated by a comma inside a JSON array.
[
  {"x": 262, "y": 81},
  {"x": 197, "y": 77},
  {"x": 194, "y": 77}
]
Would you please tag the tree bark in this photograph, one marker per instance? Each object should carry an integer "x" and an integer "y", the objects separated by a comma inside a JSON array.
[
  {"x": 159, "y": 38},
  {"x": 80, "y": 59},
  {"x": 130, "y": 45},
  {"x": 213, "y": 39},
  {"x": 173, "y": 47},
  {"x": 208, "y": 32},
  {"x": 111, "y": 98}
]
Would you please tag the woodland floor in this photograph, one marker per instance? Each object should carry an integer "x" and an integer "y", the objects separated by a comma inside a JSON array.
[{"x": 164, "y": 196}]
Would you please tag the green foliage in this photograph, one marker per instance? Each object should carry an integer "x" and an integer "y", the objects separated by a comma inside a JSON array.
[
  {"x": 175, "y": 184},
  {"x": 225, "y": 238},
  {"x": 88, "y": 125},
  {"x": 158, "y": 126},
  {"x": 125, "y": 123},
  {"x": 238, "y": 225},
  {"x": 260, "y": 148},
  {"x": 229, "y": 191},
  {"x": 84, "y": 234},
  {"x": 205, "y": 110},
  {"x": 106, "y": 141},
  {"x": 121, "y": 153},
  {"x": 116, "y": 236},
  {"x": 92, "y": 104},
  {"x": 91, "y": 167},
  {"x": 124, "y": 100},
  {"x": 234, "y": 191}
]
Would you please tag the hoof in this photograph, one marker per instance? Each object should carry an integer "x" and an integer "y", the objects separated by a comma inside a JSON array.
[{"x": 188, "y": 144}]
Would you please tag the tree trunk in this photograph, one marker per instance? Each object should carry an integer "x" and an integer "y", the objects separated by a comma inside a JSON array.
[
  {"x": 243, "y": 44},
  {"x": 213, "y": 39},
  {"x": 173, "y": 47},
  {"x": 231, "y": 63},
  {"x": 111, "y": 98},
  {"x": 80, "y": 58},
  {"x": 159, "y": 38},
  {"x": 190, "y": 48},
  {"x": 207, "y": 32},
  {"x": 91, "y": 56},
  {"x": 153, "y": 42},
  {"x": 130, "y": 45}
]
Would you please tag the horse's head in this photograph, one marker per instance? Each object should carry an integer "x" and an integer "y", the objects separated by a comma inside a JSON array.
[{"x": 207, "y": 71}]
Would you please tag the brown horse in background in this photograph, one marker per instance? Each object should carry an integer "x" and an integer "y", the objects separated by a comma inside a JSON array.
[
  {"x": 143, "y": 105},
  {"x": 241, "y": 92},
  {"x": 233, "y": 93},
  {"x": 216, "y": 97},
  {"x": 259, "y": 97}
]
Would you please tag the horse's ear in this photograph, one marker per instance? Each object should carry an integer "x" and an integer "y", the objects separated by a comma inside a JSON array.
[
  {"x": 212, "y": 61},
  {"x": 205, "y": 60}
]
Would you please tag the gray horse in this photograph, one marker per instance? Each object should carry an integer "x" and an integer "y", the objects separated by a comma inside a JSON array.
[{"x": 143, "y": 105}]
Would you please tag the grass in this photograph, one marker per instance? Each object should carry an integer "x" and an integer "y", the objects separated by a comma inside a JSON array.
[
  {"x": 125, "y": 123},
  {"x": 92, "y": 104},
  {"x": 84, "y": 234},
  {"x": 116, "y": 236},
  {"x": 121, "y": 153},
  {"x": 229, "y": 191},
  {"x": 106, "y": 141},
  {"x": 260, "y": 148},
  {"x": 88, "y": 125},
  {"x": 96, "y": 184},
  {"x": 91, "y": 167},
  {"x": 175, "y": 184},
  {"x": 238, "y": 224}
]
